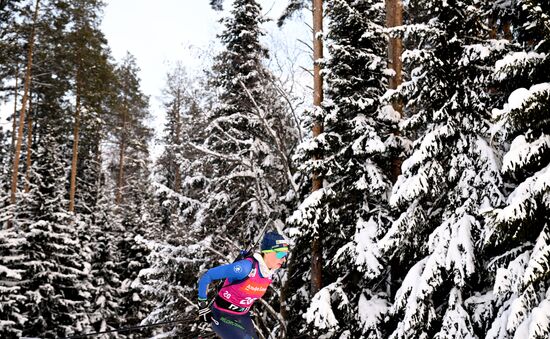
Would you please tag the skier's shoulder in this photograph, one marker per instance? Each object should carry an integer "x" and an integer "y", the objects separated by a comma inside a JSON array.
[{"x": 243, "y": 267}]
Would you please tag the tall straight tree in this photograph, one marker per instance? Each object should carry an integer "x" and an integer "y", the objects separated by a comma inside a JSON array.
[
  {"x": 29, "y": 145},
  {"x": 177, "y": 93},
  {"x": 90, "y": 75},
  {"x": 135, "y": 210},
  {"x": 353, "y": 209},
  {"x": 315, "y": 148},
  {"x": 394, "y": 18},
  {"x": 317, "y": 129},
  {"x": 17, "y": 151},
  {"x": 131, "y": 111}
]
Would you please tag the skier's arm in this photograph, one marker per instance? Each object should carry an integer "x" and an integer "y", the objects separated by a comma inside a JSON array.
[{"x": 235, "y": 271}]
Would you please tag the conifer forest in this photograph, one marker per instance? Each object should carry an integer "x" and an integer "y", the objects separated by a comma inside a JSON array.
[{"x": 409, "y": 170}]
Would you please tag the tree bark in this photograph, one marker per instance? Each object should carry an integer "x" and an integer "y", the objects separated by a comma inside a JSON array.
[
  {"x": 177, "y": 178},
  {"x": 29, "y": 148},
  {"x": 317, "y": 183},
  {"x": 507, "y": 31},
  {"x": 76, "y": 133},
  {"x": 493, "y": 26},
  {"x": 394, "y": 17},
  {"x": 17, "y": 153},
  {"x": 14, "y": 122},
  {"x": 120, "y": 180}
]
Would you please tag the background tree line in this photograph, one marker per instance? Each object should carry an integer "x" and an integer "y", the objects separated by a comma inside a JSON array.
[
  {"x": 75, "y": 174},
  {"x": 415, "y": 189}
]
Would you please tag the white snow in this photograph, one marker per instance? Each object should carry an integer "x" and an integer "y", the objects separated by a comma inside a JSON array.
[
  {"x": 366, "y": 249},
  {"x": 522, "y": 197},
  {"x": 388, "y": 113},
  {"x": 516, "y": 60},
  {"x": 320, "y": 312},
  {"x": 519, "y": 98},
  {"x": 371, "y": 311},
  {"x": 539, "y": 327},
  {"x": 308, "y": 207},
  {"x": 522, "y": 152},
  {"x": 9, "y": 273}
]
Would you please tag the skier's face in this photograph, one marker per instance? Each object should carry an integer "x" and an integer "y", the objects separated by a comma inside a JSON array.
[{"x": 275, "y": 260}]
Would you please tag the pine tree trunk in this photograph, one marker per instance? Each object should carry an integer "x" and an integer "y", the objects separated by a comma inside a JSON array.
[
  {"x": 177, "y": 178},
  {"x": 507, "y": 31},
  {"x": 17, "y": 154},
  {"x": 29, "y": 148},
  {"x": 98, "y": 169},
  {"x": 14, "y": 122},
  {"x": 120, "y": 180},
  {"x": 493, "y": 26},
  {"x": 76, "y": 132},
  {"x": 317, "y": 183},
  {"x": 394, "y": 17}
]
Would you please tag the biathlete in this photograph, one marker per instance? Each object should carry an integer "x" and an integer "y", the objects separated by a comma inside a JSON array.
[{"x": 245, "y": 281}]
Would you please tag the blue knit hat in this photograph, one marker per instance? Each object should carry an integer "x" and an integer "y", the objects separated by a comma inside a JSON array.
[{"x": 273, "y": 240}]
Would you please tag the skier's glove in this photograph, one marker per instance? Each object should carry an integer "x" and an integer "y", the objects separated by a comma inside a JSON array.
[{"x": 204, "y": 311}]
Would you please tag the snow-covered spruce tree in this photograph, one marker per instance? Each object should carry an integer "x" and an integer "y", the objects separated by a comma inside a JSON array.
[
  {"x": 450, "y": 177},
  {"x": 352, "y": 208},
  {"x": 182, "y": 250},
  {"x": 105, "y": 234},
  {"x": 167, "y": 170},
  {"x": 138, "y": 218},
  {"x": 517, "y": 235},
  {"x": 4, "y": 160},
  {"x": 56, "y": 278},
  {"x": 171, "y": 280},
  {"x": 11, "y": 273},
  {"x": 135, "y": 209},
  {"x": 5, "y": 174},
  {"x": 179, "y": 172},
  {"x": 250, "y": 133}
]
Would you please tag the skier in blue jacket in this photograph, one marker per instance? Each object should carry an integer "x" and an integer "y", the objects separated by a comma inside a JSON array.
[{"x": 245, "y": 281}]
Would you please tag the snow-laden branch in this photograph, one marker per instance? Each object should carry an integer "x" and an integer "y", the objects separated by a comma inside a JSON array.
[
  {"x": 219, "y": 155},
  {"x": 278, "y": 143},
  {"x": 275, "y": 314}
]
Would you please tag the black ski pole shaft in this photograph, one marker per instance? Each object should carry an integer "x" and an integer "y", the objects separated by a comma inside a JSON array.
[{"x": 261, "y": 234}]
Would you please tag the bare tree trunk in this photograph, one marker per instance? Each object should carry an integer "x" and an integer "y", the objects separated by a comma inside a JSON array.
[
  {"x": 394, "y": 17},
  {"x": 507, "y": 31},
  {"x": 76, "y": 132},
  {"x": 493, "y": 26},
  {"x": 317, "y": 183},
  {"x": 120, "y": 181},
  {"x": 14, "y": 122},
  {"x": 177, "y": 179},
  {"x": 29, "y": 147},
  {"x": 17, "y": 153}
]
